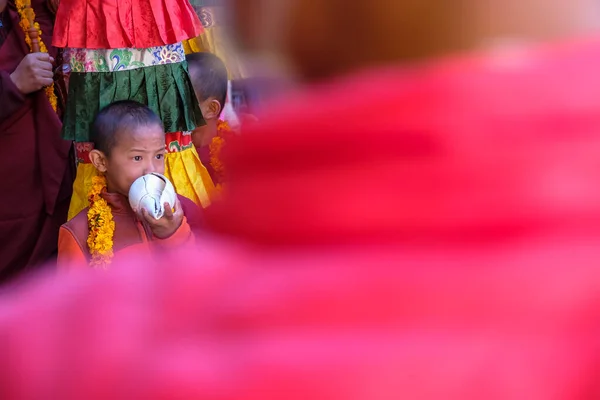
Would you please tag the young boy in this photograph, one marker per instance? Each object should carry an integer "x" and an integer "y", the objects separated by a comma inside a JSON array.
[
  {"x": 209, "y": 78},
  {"x": 129, "y": 142}
]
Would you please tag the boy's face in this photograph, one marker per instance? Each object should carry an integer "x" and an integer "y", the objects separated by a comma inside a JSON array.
[{"x": 136, "y": 153}]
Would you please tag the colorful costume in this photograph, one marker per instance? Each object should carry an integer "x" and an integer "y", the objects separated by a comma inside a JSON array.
[
  {"x": 36, "y": 162},
  {"x": 132, "y": 50}
]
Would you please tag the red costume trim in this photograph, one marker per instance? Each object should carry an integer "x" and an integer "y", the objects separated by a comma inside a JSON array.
[{"x": 110, "y": 24}]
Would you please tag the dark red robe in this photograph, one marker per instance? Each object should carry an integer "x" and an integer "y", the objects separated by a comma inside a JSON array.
[{"x": 36, "y": 164}]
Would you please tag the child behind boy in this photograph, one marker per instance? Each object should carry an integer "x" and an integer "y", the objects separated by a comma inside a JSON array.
[
  {"x": 129, "y": 142},
  {"x": 209, "y": 78}
]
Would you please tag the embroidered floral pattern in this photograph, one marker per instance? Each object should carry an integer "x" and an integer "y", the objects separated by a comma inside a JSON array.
[
  {"x": 169, "y": 54},
  {"x": 176, "y": 142},
  {"x": 113, "y": 60},
  {"x": 206, "y": 17},
  {"x": 82, "y": 150}
]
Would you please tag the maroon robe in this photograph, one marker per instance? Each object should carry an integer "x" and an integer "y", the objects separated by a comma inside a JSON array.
[
  {"x": 36, "y": 163},
  {"x": 204, "y": 154}
]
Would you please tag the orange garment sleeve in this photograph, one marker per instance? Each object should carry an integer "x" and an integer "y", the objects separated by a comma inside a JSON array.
[
  {"x": 183, "y": 237},
  {"x": 70, "y": 254}
]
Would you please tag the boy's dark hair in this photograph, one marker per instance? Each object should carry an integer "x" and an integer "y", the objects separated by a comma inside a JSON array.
[
  {"x": 115, "y": 117},
  {"x": 209, "y": 76}
]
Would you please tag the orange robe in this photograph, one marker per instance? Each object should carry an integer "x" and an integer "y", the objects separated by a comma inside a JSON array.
[{"x": 131, "y": 236}]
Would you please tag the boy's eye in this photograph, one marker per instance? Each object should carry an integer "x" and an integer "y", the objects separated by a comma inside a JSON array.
[
  {"x": 160, "y": 156},
  {"x": 137, "y": 158}
]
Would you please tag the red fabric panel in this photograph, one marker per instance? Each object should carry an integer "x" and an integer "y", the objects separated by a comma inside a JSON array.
[{"x": 109, "y": 24}]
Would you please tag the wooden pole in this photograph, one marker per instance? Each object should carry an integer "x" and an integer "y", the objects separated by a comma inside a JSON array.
[{"x": 33, "y": 33}]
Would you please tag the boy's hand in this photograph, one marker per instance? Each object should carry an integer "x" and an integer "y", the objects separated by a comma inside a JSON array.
[{"x": 168, "y": 224}]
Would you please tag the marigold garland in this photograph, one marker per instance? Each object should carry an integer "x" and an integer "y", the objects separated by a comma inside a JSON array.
[
  {"x": 101, "y": 225},
  {"x": 26, "y": 14},
  {"x": 215, "y": 148}
]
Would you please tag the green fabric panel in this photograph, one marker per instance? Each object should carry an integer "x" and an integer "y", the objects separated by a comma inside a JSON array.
[{"x": 166, "y": 89}]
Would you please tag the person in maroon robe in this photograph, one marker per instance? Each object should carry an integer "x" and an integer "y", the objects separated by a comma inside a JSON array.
[
  {"x": 36, "y": 164},
  {"x": 404, "y": 232}
]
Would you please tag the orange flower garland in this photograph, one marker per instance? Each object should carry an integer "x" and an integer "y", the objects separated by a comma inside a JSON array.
[
  {"x": 101, "y": 225},
  {"x": 26, "y": 14},
  {"x": 215, "y": 147}
]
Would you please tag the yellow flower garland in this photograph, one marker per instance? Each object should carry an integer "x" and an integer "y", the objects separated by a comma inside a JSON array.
[
  {"x": 101, "y": 225},
  {"x": 26, "y": 14}
]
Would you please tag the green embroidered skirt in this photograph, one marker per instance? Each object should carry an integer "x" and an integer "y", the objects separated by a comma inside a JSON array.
[{"x": 156, "y": 77}]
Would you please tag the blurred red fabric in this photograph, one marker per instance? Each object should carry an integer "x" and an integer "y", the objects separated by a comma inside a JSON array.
[{"x": 401, "y": 234}]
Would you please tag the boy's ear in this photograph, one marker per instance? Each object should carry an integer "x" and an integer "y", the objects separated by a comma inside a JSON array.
[
  {"x": 99, "y": 160},
  {"x": 213, "y": 109}
]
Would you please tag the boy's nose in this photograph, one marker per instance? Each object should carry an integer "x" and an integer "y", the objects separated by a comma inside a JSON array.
[{"x": 150, "y": 168}]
